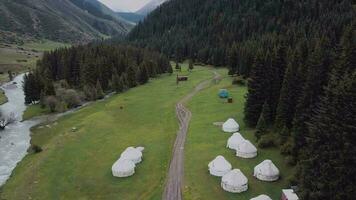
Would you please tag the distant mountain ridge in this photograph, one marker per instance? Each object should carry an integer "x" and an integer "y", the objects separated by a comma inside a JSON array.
[
  {"x": 149, "y": 7},
  {"x": 75, "y": 21}
]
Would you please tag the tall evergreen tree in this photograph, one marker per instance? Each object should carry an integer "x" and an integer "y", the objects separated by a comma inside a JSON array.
[
  {"x": 327, "y": 171},
  {"x": 256, "y": 90}
]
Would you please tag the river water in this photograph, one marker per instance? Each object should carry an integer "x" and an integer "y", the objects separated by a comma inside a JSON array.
[{"x": 15, "y": 139}]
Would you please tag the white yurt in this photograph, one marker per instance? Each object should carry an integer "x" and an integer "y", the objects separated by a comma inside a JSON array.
[
  {"x": 262, "y": 197},
  {"x": 123, "y": 168},
  {"x": 246, "y": 150},
  {"x": 133, "y": 154},
  {"x": 219, "y": 166},
  {"x": 266, "y": 171},
  {"x": 234, "y": 181},
  {"x": 230, "y": 126},
  {"x": 234, "y": 141}
]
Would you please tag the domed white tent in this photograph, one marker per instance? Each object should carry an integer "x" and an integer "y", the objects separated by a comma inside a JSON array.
[
  {"x": 234, "y": 181},
  {"x": 234, "y": 141},
  {"x": 266, "y": 171},
  {"x": 246, "y": 150},
  {"x": 219, "y": 166},
  {"x": 230, "y": 126},
  {"x": 262, "y": 197},
  {"x": 123, "y": 168},
  {"x": 132, "y": 154}
]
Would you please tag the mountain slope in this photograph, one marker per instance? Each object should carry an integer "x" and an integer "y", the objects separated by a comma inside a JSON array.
[
  {"x": 131, "y": 17},
  {"x": 185, "y": 28},
  {"x": 149, "y": 7},
  {"x": 56, "y": 20},
  {"x": 98, "y": 9}
]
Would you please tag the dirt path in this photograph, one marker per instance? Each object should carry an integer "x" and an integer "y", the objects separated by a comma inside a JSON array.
[{"x": 173, "y": 188}]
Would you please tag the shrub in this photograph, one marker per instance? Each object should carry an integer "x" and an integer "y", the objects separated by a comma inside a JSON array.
[
  {"x": 35, "y": 148},
  {"x": 51, "y": 103},
  {"x": 72, "y": 98},
  {"x": 290, "y": 160},
  {"x": 238, "y": 81},
  {"x": 268, "y": 140},
  {"x": 287, "y": 147}
]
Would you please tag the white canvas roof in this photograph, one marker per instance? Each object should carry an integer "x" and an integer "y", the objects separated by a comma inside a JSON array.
[
  {"x": 246, "y": 150},
  {"x": 266, "y": 171},
  {"x": 234, "y": 141},
  {"x": 123, "y": 168},
  {"x": 230, "y": 126},
  {"x": 234, "y": 181},
  {"x": 219, "y": 166},
  {"x": 132, "y": 154},
  {"x": 262, "y": 197},
  {"x": 290, "y": 194}
]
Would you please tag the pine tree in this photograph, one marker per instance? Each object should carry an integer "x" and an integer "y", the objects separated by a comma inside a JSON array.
[
  {"x": 263, "y": 121},
  {"x": 191, "y": 65},
  {"x": 142, "y": 75},
  {"x": 99, "y": 90},
  {"x": 327, "y": 171},
  {"x": 178, "y": 67},
  {"x": 256, "y": 90},
  {"x": 131, "y": 77},
  {"x": 317, "y": 77}
]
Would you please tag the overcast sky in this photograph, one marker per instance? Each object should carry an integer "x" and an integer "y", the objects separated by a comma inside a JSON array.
[{"x": 125, "y": 5}]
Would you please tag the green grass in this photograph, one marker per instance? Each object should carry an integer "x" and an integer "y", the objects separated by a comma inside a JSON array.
[
  {"x": 205, "y": 141},
  {"x": 33, "y": 111},
  {"x": 18, "y": 58},
  {"x": 44, "y": 45},
  {"x": 3, "y": 98},
  {"x": 77, "y": 165}
]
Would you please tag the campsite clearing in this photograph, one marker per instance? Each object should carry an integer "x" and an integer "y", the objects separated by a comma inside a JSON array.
[{"x": 205, "y": 141}]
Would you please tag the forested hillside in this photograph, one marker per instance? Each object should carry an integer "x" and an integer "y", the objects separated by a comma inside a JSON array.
[
  {"x": 299, "y": 60},
  {"x": 57, "y": 20},
  {"x": 68, "y": 76},
  {"x": 214, "y": 31}
]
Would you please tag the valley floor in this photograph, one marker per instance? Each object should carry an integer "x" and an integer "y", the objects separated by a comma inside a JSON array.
[
  {"x": 19, "y": 58},
  {"x": 77, "y": 165}
]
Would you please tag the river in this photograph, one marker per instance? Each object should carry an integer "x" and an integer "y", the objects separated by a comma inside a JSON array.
[{"x": 15, "y": 139}]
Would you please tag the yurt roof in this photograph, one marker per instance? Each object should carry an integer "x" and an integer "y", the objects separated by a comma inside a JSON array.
[
  {"x": 231, "y": 123},
  {"x": 220, "y": 163},
  {"x": 235, "y": 177},
  {"x": 267, "y": 168},
  {"x": 123, "y": 165},
  {"x": 247, "y": 147},
  {"x": 131, "y": 152},
  {"x": 262, "y": 197}
]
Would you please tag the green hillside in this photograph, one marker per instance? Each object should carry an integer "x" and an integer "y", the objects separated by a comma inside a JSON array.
[{"x": 56, "y": 20}]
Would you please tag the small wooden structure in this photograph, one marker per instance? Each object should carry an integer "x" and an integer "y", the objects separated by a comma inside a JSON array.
[
  {"x": 181, "y": 78},
  {"x": 229, "y": 100}
]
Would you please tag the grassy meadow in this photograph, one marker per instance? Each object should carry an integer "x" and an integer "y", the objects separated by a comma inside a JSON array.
[
  {"x": 19, "y": 58},
  {"x": 205, "y": 141},
  {"x": 77, "y": 165}
]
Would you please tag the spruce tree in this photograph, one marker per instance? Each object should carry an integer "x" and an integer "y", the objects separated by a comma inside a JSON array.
[
  {"x": 99, "y": 90},
  {"x": 131, "y": 77},
  {"x": 191, "y": 65},
  {"x": 256, "y": 90},
  {"x": 328, "y": 169}
]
